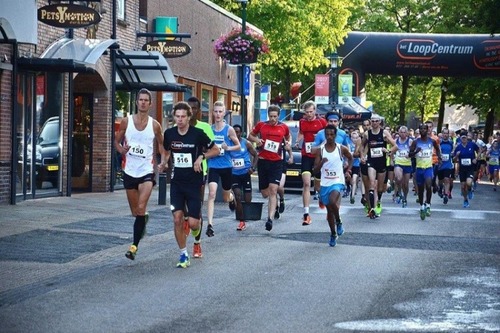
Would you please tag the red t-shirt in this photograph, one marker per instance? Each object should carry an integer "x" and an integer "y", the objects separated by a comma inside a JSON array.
[
  {"x": 309, "y": 128},
  {"x": 273, "y": 136}
]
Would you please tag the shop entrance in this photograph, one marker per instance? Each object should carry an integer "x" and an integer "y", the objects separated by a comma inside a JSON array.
[{"x": 81, "y": 162}]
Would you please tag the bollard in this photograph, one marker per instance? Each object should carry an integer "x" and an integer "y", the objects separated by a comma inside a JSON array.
[{"x": 162, "y": 188}]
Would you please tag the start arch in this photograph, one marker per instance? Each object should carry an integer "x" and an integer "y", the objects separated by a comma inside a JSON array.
[{"x": 444, "y": 55}]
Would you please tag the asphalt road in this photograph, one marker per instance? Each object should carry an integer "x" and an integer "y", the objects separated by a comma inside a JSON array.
[{"x": 64, "y": 270}]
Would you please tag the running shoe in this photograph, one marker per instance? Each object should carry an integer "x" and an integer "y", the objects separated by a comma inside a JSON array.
[
  {"x": 197, "y": 250},
  {"x": 449, "y": 196},
  {"x": 183, "y": 261},
  {"x": 353, "y": 200},
  {"x": 440, "y": 191},
  {"x": 445, "y": 199},
  {"x": 306, "y": 220},
  {"x": 405, "y": 203},
  {"x": 269, "y": 225},
  {"x": 363, "y": 200},
  {"x": 195, "y": 233},
  {"x": 466, "y": 203},
  {"x": 340, "y": 229},
  {"x": 372, "y": 214},
  {"x": 378, "y": 208},
  {"x": 277, "y": 214},
  {"x": 242, "y": 226},
  {"x": 232, "y": 205},
  {"x": 315, "y": 196},
  {"x": 146, "y": 220},
  {"x": 398, "y": 198},
  {"x": 282, "y": 206},
  {"x": 132, "y": 251},
  {"x": 470, "y": 194},
  {"x": 333, "y": 240},
  {"x": 422, "y": 214},
  {"x": 210, "y": 231},
  {"x": 389, "y": 189},
  {"x": 428, "y": 211}
]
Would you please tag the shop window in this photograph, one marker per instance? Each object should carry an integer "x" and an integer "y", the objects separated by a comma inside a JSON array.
[
  {"x": 120, "y": 9},
  {"x": 206, "y": 104}
]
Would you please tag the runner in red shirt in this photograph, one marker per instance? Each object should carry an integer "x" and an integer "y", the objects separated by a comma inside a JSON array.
[
  {"x": 268, "y": 136},
  {"x": 309, "y": 126}
]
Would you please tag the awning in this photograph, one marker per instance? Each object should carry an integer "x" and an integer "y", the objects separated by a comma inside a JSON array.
[
  {"x": 144, "y": 69},
  {"x": 352, "y": 111},
  {"x": 68, "y": 55}
]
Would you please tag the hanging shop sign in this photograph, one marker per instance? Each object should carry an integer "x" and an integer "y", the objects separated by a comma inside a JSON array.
[
  {"x": 68, "y": 16},
  {"x": 169, "y": 48}
]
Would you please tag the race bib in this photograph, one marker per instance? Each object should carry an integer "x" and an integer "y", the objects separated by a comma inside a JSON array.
[
  {"x": 137, "y": 150},
  {"x": 183, "y": 160},
  {"x": 308, "y": 147},
  {"x": 331, "y": 174},
  {"x": 445, "y": 157},
  {"x": 271, "y": 146},
  {"x": 465, "y": 161},
  {"x": 376, "y": 152},
  {"x": 425, "y": 153},
  {"x": 221, "y": 153},
  {"x": 238, "y": 163},
  {"x": 402, "y": 153},
  {"x": 493, "y": 160}
]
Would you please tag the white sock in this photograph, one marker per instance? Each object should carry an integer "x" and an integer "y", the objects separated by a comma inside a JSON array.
[
  {"x": 184, "y": 251},
  {"x": 306, "y": 210}
]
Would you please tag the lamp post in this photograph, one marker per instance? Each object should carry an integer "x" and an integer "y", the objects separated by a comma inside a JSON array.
[
  {"x": 334, "y": 63},
  {"x": 242, "y": 67}
]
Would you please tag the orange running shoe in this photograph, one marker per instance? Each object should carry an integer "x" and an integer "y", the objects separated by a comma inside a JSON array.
[
  {"x": 197, "y": 250},
  {"x": 307, "y": 219},
  {"x": 242, "y": 226}
]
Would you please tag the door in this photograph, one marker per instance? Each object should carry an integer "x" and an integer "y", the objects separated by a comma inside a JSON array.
[{"x": 81, "y": 162}]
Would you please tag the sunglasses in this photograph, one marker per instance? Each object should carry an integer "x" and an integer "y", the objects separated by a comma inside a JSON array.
[{"x": 375, "y": 121}]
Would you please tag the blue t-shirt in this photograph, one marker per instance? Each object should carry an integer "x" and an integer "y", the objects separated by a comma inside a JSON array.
[
  {"x": 222, "y": 161},
  {"x": 467, "y": 153},
  {"x": 241, "y": 159},
  {"x": 352, "y": 147},
  {"x": 446, "y": 154},
  {"x": 340, "y": 139}
]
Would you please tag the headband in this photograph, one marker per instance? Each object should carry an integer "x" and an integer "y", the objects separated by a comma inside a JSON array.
[{"x": 333, "y": 117}]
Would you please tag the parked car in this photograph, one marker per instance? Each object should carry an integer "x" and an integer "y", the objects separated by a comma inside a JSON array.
[{"x": 47, "y": 153}]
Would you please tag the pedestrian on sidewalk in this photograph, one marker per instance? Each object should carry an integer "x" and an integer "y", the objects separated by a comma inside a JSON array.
[
  {"x": 138, "y": 137},
  {"x": 188, "y": 146}
]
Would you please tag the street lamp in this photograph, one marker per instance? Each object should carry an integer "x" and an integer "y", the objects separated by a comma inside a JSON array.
[
  {"x": 242, "y": 67},
  {"x": 334, "y": 63}
]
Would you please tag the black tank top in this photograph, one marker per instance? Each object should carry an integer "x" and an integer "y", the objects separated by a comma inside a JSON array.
[{"x": 375, "y": 144}]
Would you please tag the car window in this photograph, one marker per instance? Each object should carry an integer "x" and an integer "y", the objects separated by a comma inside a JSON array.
[{"x": 49, "y": 134}]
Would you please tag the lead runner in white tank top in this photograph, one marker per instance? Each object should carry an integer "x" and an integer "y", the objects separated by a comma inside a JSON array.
[{"x": 139, "y": 161}]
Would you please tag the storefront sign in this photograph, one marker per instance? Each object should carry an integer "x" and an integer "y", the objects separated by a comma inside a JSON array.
[
  {"x": 169, "y": 48},
  {"x": 68, "y": 16}
]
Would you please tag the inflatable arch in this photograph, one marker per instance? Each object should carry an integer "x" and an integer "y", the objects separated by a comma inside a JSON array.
[{"x": 418, "y": 55}]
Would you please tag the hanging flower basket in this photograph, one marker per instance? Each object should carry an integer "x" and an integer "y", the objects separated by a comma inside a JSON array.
[{"x": 236, "y": 47}]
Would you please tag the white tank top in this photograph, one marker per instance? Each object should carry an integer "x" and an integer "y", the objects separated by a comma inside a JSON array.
[
  {"x": 332, "y": 172},
  {"x": 139, "y": 158}
]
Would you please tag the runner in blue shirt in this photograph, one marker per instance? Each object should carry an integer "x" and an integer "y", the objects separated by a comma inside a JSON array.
[
  {"x": 446, "y": 169},
  {"x": 465, "y": 155}
]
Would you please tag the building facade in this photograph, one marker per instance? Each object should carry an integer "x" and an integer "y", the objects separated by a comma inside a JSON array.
[{"x": 63, "y": 92}]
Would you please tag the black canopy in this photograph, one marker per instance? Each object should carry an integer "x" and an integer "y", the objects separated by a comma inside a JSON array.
[{"x": 349, "y": 112}]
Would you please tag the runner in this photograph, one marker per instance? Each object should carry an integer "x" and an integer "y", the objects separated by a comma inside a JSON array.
[
  {"x": 465, "y": 155},
  {"x": 220, "y": 167},
  {"x": 402, "y": 166},
  {"x": 309, "y": 126},
  {"x": 375, "y": 140},
  {"x": 446, "y": 168},
  {"x": 493, "y": 163},
  {"x": 422, "y": 148},
  {"x": 329, "y": 161},
  {"x": 137, "y": 138},
  {"x": 354, "y": 148},
  {"x": 244, "y": 165},
  {"x": 268, "y": 136},
  {"x": 186, "y": 144}
]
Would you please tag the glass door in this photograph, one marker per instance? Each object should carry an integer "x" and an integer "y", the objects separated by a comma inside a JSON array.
[{"x": 81, "y": 163}]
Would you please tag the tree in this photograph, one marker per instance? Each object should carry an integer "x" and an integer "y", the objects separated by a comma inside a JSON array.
[{"x": 301, "y": 33}]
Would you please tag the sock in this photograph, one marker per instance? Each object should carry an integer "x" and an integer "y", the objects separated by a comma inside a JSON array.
[
  {"x": 306, "y": 210},
  {"x": 184, "y": 251},
  {"x": 139, "y": 224},
  {"x": 372, "y": 198}
]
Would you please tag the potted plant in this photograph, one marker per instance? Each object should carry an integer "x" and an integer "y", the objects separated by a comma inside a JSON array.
[{"x": 237, "y": 47}]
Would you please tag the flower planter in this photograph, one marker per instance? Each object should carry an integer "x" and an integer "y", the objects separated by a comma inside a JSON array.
[{"x": 240, "y": 59}]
